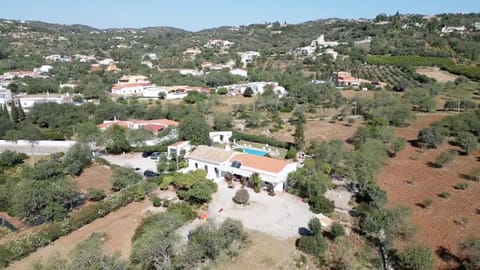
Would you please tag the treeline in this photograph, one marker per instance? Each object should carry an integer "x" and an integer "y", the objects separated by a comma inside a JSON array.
[{"x": 447, "y": 64}]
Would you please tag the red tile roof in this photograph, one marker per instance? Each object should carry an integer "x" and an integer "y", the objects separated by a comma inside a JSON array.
[
  {"x": 261, "y": 163},
  {"x": 154, "y": 127},
  {"x": 125, "y": 85}
]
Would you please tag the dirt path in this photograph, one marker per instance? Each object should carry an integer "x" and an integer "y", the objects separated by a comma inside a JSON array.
[{"x": 118, "y": 226}]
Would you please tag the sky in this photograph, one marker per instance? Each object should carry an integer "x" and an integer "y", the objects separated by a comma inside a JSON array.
[{"x": 194, "y": 15}]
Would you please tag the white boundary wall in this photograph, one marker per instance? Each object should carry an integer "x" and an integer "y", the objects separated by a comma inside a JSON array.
[{"x": 36, "y": 147}]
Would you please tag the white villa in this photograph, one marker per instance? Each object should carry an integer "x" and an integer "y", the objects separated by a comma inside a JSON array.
[
  {"x": 257, "y": 87},
  {"x": 5, "y": 96},
  {"x": 221, "y": 137},
  {"x": 248, "y": 56},
  {"x": 316, "y": 44},
  {"x": 28, "y": 101},
  {"x": 154, "y": 125},
  {"x": 131, "y": 85},
  {"x": 218, "y": 162},
  {"x": 175, "y": 149}
]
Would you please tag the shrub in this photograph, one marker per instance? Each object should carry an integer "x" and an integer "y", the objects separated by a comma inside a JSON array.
[
  {"x": 444, "y": 158},
  {"x": 222, "y": 91},
  {"x": 430, "y": 137},
  {"x": 166, "y": 203},
  {"x": 183, "y": 209},
  {"x": 156, "y": 201},
  {"x": 94, "y": 194},
  {"x": 241, "y": 196},
  {"x": 123, "y": 177},
  {"x": 474, "y": 174},
  {"x": 415, "y": 258},
  {"x": 337, "y": 230},
  {"x": 315, "y": 226},
  {"x": 444, "y": 195},
  {"x": 461, "y": 185},
  {"x": 320, "y": 204},
  {"x": 426, "y": 203},
  {"x": 314, "y": 245},
  {"x": 9, "y": 159}
]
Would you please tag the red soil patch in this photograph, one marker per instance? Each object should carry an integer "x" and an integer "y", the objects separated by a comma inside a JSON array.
[
  {"x": 439, "y": 224},
  {"x": 96, "y": 176}
]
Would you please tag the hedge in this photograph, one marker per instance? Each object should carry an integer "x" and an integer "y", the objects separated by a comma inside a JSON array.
[
  {"x": 237, "y": 135},
  {"x": 22, "y": 246}
]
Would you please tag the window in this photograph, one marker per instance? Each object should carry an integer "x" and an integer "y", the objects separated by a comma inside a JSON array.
[
  {"x": 221, "y": 138},
  {"x": 196, "y": 165},
  {"x": 206, "y": 168}
]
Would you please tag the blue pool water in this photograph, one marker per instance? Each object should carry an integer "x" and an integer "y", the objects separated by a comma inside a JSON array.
[{"x": 254, "y": 152}]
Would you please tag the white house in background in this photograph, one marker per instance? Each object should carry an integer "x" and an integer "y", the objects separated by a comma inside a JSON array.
[
  {"x": 154, "y": 125},
  {"x": 222, "y": 137},
  {"x": 132, "y": 85},
  {"x": 5, "y": 96},
  {"x": 191, "y": 53},
  {"x": 152, "y": 56},
  {"x": 133, "y": 79},
  {"x": 130, "y": 89},
  {"x": 45, "y": 68},
  {"x": 248, "y": 56},
  {"x": 106, "y": 62},
  {"x": 154, "y": 92},
  {"x": 28, "y": 101},
  {"x": 239, "y": 72},
  {"x": 477, "y": 26},
  {"x": 218, "y": 162},
  {"x": 451, "y": 29},
  {"x": 219, "y": 43},
  {"x": 320, "y": 42},
  {"x": 257, "y": 87},
  {"x": 331, "y": 52},
  {"x": 174, "y": 150},
  {"x": 192, "y": 72}
]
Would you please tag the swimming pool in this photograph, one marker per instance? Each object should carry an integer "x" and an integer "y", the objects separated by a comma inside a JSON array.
[{"x": 256, "y": 152}]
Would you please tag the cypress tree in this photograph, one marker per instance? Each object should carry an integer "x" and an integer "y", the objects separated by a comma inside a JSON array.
[
  {"x": 14, "y": 113},
  {"x": 21, "y": 113}
]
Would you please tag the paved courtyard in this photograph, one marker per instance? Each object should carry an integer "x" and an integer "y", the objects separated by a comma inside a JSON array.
[{"x": 281, "y": 215}]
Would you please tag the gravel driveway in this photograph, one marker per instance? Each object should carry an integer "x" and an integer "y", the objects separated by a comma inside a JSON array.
[
  {"x": 281, "y": 215},
  {"x": 132, "y": 160}
]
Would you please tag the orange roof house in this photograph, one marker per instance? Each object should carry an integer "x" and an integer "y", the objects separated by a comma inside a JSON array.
[{"x": 217, "y": 162}]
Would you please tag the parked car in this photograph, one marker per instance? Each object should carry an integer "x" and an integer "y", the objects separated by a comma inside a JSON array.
[
  {"x": 146, "y": 154},
  {"x": 150, "y": 174},
  {"x": 155, "y": 155}
]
